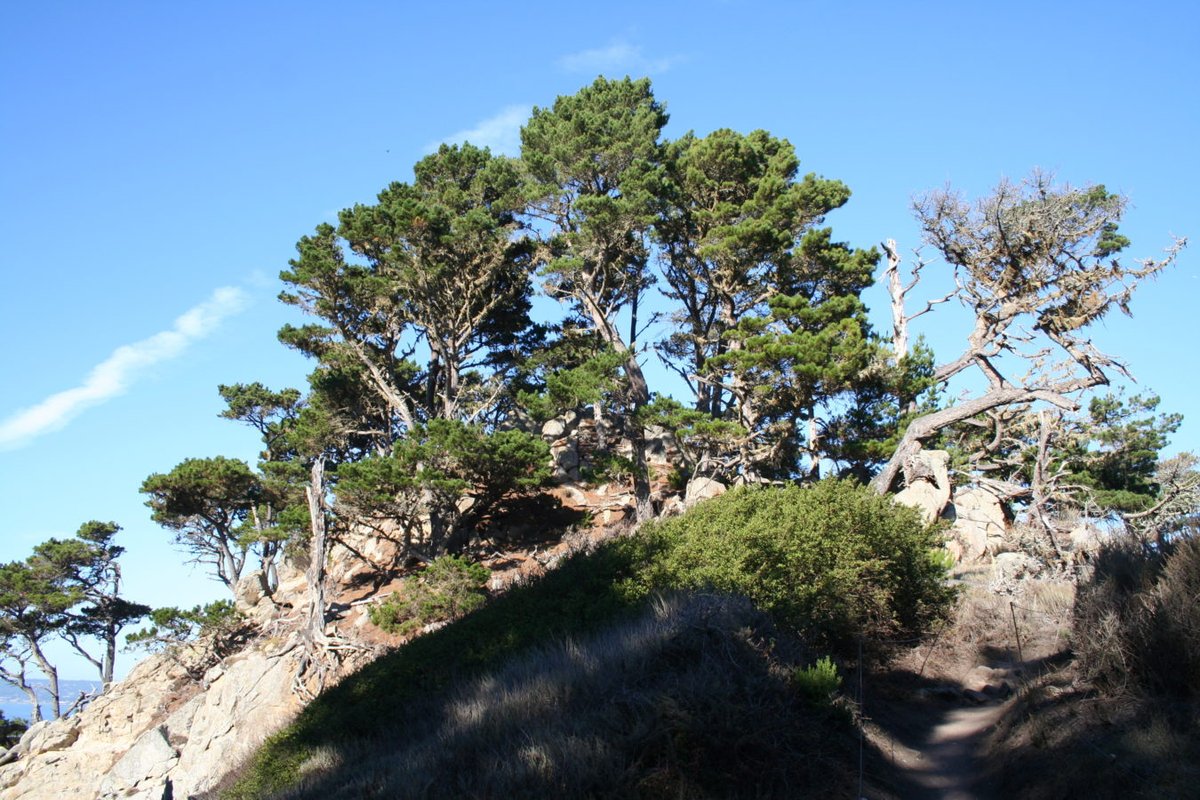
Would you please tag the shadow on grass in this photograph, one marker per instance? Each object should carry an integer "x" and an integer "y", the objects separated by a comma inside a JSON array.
[
  {"x": 573, "y": 686},
  {"x": 1064, "y": 741},
  {"x": 934, "y": 738},
  {"x": 690, "y": 698},
  {"x": 584, "y": 593}
]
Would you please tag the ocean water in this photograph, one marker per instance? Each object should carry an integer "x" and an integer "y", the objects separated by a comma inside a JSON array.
[{"x": 15, "y": 704}]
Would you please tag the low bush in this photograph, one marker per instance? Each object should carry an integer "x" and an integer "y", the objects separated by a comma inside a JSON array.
[
  {"x": 832, "y": 561},
  {"x": 819, "y": 683},
  {"x": 448, "y": 588}
]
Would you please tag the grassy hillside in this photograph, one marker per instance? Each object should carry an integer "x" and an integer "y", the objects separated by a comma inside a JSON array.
[{"x": 829, "y": 562}]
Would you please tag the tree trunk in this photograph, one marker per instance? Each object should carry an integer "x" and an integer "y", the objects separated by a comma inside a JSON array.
[
  {"x": 644, "y": 506},
  {"x": 928, "y": 425},
  {"x": 110, "y": 654},
  {"x": 896, "y": 292},
  {"x": 315, "y": 574},
  {"x": 19, "y": 680},
  {"x": 35, "y": 707},
  {"x": 51, "y": 674},
  {"x": 598, "y": 424},
  {"x": 639, "y": 392},
  {"x": 814, "y": 454}
]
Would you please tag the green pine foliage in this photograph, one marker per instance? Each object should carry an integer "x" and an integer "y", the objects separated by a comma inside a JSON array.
[
  {"x": 1129, "y": 437},
  {"x": 195, "y": 638},
  {"x": 11, "y": 730},
  {"x": 428, "y": 475}
]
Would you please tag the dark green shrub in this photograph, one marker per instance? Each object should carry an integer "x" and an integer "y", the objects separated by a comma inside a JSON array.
[
  {"x": 11, "y": 730},
  {"x": 447, "y": 589},
  {"x": 833, "y": 561}
]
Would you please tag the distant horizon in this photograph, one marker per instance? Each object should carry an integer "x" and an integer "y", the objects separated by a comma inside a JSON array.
[{"x": 15, "y": 704}]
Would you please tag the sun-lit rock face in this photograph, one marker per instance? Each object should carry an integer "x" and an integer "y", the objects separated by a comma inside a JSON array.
[
  {"x": 927, "y": 483},
  {"x": 158, "y": 728}
]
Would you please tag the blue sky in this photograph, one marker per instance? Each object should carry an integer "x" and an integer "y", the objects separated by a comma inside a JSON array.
[{"x": 160, "y": 160}]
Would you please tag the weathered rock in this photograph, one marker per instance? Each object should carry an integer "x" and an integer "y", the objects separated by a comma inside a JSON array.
[
  {"x": 49, "y": 735},
  {"x": 955, "y": 549},
  {"x": 293, "y": 583},
  {"x": 553, "y": 429},
  {"x": 249, "y": 590},
  {"x": 661, "y": 447},
  {"x": 611, "y": 516},
  {"x": 249, "y": 702},
  {"x": 565, "y": 454},
  {"x": 142, "y": 769},
  {"x": 979, "y": 523},
  {"x": 158, "y": 726},
  {"x": 363, "y": 551},
  {"x": 572, "y": 496},
  {"x": 702, "y": 488},
  {"x": 927, "y": 478},
  {"x": 672, "y": 506}
]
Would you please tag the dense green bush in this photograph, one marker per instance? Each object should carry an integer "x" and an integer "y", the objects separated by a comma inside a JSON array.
[
  {"x": 833, "y": 561},
  {"x": 447, "y": 589}
]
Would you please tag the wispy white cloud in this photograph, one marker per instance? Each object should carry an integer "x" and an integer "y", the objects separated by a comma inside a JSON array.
[
  {"x": 115, "y": 374},
  {"x": 618, "y": 57},
  {"x": 500, "y": 133}
]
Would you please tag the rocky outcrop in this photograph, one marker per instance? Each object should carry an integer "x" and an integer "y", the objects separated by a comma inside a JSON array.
[
  {"x": 157, "y": 729},
  {"x": 701, "y": 488},
  {"x": 980, "y": 524},
  {"x": 927, "y": 483}
]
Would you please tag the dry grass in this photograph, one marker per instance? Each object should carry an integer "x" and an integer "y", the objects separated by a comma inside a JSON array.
[
  {"x": 1021, "y": 631},
  {"x": 1062, "y": 740},
  {"x": 1123, "y": 719},
  {"x": 692, "y": 699}
]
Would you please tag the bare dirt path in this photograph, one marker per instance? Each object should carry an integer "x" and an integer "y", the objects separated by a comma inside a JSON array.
[
  {"x": 934, "y": 748},
  {"x": 948, "y": 766}
]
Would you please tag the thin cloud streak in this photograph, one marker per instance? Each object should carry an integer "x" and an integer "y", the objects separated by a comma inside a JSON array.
[
  {"x": 500, "y": 133},
  {"x": 616, "y": 58},
  {"x": 119, "y": 371}
]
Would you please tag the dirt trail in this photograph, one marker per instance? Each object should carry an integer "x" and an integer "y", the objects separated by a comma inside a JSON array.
[{"x": 944, "y": 763}]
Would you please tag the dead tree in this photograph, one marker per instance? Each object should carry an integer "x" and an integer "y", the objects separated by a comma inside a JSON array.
[{"x": 1036, "y": 264}]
